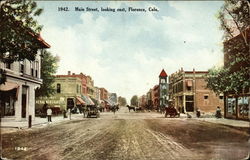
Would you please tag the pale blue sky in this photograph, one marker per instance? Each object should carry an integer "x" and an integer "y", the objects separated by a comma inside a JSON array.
[{"x": 125, "y": 52}]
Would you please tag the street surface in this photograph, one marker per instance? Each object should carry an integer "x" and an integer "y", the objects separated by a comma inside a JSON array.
[{"x": 130, "y": 136}]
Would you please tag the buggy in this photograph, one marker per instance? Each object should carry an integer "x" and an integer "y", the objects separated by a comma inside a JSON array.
[{"x": 92, "y": 111}]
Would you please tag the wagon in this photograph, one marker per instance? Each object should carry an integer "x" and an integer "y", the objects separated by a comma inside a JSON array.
[
  {"x": 92, "y": 111},
  {"x": 172, "y": 112}
]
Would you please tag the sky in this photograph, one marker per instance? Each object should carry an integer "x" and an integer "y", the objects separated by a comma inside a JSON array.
[{"x": 125, "y": 52}]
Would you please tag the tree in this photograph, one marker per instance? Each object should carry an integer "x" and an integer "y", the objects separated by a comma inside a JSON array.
[
  {"x": 134, "y": 100},
  {"x": 234, "y": 77},
  {"x": 18, "y": 29},
  {"x": 48, "y": 69},
  {"x": 122, "y": 101}
]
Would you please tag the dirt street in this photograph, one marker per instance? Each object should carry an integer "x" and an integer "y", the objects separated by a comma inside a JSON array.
[{"x": 128, "y": 135}]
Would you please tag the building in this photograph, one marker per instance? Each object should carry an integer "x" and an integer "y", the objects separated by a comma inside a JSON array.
[
  {"x": 163, "y": 88},
  {"x": 149, "y": 99},
  {"x": 142, "y": 100},
  {"x": 17, "y": 99},
  {"x": 237, "y": 105},
  {"x": 68, "y": 93},
  {"x": 113, "y": 98},
  {"x": 90, "y": 87},
  {"x": 155, "y": 97},
  {"x": 103, "y": 94},
  {"x": 188, "y": 92},
  {"x": 97, "y": 95}
]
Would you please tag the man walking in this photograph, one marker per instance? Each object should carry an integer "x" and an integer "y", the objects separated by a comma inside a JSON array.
[{"x": 49, "y": 113}]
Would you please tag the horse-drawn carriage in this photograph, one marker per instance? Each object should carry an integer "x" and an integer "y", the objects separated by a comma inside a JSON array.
[
  {"x": 171, "y": 111},
  {"x": 92, "y": 110}
]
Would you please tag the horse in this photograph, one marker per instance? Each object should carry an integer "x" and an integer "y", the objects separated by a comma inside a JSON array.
[{"x": 130, "y": 107}]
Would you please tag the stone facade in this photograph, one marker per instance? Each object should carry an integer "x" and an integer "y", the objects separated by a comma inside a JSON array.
[
  {"x": 68, "y": 90},
  {"x": 18, "y": 93}
]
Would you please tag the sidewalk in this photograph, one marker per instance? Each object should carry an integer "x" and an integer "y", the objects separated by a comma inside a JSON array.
[
  {"x": 224, "y": 121},
  {"x": 10, "y": 123},
  {"x": 228, "y": 122}
]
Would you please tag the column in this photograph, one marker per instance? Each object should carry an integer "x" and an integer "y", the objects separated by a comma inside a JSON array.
[
  {"x": 31, "y": 102},
  {"x": 18, "y": 104},
  {"x": 184, "y": 103}
]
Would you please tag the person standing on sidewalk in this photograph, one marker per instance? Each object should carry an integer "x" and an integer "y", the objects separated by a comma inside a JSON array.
[{"x": 49, "y": 113}]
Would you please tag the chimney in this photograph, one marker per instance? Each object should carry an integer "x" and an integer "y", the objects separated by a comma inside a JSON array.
[{"x": 69, "y": 72}]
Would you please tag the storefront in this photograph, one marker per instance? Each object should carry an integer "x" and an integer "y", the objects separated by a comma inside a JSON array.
[
  {"x": 237, "y": 107},
  {"x": 8, "y": 92}
]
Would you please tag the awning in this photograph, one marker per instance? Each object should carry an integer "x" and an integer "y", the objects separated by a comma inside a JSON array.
[
  {"x": 87, "y": 100},
  {"x": 189, "y": 83},
  {"x": 8, "y": 86},
  {"x": 80, "y": 101},
  {"x": 109, "y": 102},
  {"x": 94, "y": 100},
  {"x": 91, "y": 102}
]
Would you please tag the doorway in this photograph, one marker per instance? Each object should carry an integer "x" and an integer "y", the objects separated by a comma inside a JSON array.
[{"x": 24, "y": 100}]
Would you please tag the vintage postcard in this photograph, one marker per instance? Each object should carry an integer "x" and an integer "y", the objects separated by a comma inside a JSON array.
[{"x": 124, "y": 80}]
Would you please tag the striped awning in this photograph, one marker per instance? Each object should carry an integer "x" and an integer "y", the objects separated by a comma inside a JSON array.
[{"x": 80, "y": 101}]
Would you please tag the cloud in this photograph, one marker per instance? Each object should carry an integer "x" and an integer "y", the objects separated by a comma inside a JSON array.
[{"x": 126, "y": 52}]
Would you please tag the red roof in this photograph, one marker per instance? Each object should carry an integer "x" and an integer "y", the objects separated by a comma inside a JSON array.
[{"x": 163, "y": 73}]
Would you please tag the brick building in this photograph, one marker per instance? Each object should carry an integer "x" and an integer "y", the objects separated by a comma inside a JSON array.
[
  {"x": 188, "y": 91},
  {"x": 237, "y": 105},
  {"x": 103, "y": 94},
  {"x": 155, "y": 97}
]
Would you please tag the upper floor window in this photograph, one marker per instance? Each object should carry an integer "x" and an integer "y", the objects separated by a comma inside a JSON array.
[
  {"x": 8, "y": 65},
  {"x": 36, "y": 68},
  {"x": 163, "y": 81},
  {"x": 205, "y": 96},
  {"x": 22, "y": 66},
  {"x": 58, "y": 88},
  {"x": 31, "y": 68}
]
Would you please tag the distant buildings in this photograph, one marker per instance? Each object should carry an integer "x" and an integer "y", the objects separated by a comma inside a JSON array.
[
  {"x": 186, "y": 89},
  {"x": 23, "y": 77},
  {"x": 74, "y": 90}
]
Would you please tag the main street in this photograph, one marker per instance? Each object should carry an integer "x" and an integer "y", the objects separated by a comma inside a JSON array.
[{"x": 128, "y": 135}]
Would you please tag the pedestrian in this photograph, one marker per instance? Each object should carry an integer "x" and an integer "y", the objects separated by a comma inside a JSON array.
[{"x": 49, "y": 113}]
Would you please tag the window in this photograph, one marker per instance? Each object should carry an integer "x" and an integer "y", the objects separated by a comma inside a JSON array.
[
  {"x": 58, "y": 88},
  {"x": 221, "y": 97},
  {"x": 189, "y": 98},
  {"x": 206, "y": 97},
  {"x": 163, "y": 81},
  {"x": 31, "y": 68},
  {"x": 36, "y": 68},
  {"x": 77, "y": 90},
  {"x": 8, "y": 65},
  {"x": 22, "y": 66}
]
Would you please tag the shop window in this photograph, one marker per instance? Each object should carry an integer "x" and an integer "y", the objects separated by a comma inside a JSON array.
[
  {"x": 58, "y": 88},
  {"x": 231, "y": 105},
  {"x": 243, "y": 104}
]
